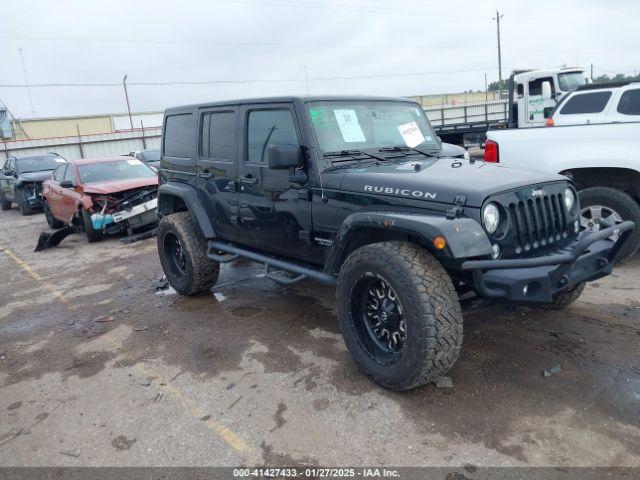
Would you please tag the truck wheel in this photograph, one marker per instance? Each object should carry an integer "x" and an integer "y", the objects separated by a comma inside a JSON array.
[
  {"x": 600, "y": 203},
  {"x": 399, "y": 314},
  {"x": 563, "y": 299},
  {"x": 4, "y": 204},
  {"x": 51, "y": 220},
  {"x": 93, "y": 235},
  {"x": 23, "y": 203},
  {"x": 183, "y": 255}
]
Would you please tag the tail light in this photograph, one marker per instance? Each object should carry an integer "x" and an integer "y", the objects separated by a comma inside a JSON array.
[
  {"x": 491, "y": 153},
  {"x": 550, "y": 122}
]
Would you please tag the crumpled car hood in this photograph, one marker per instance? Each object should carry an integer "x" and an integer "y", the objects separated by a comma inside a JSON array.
[
  {"x": 119, "y": 185},
  {"x": 34, "y": 176}
]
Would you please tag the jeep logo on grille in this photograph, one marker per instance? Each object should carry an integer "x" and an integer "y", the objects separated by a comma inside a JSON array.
[{"x": 537, "y": 193}]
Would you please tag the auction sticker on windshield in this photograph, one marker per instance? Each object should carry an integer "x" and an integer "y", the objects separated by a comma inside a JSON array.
[
  {"x": 411, "y": 134},
  {"x": 349, "y": 125}
]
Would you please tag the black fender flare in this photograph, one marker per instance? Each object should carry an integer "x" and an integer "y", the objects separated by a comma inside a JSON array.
[
  {"x": 189, "y": 195},
  {"x": 465, "y": 237}
]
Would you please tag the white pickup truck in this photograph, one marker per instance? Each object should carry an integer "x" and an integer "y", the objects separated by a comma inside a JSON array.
[{"x": 602, "y": 159}]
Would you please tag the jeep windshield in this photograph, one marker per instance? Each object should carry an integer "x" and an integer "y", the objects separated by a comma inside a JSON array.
[
  {"x": 38, "y": 164},
  {"x": 366, "y": 127},
  {"x": 114, "y": 171}
]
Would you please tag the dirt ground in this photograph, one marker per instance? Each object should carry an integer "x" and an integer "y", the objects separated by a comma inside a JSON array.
[{"x": 97, "y": 369}]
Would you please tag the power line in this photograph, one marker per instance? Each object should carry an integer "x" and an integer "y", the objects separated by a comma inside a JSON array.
[{"x": 244, "y": 81}]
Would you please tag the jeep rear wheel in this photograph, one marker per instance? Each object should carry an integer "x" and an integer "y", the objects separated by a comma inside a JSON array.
[
  {"x": 399, "y": 314},
  {"x": 183, "y": 255},
  {"x": 601, "y": 204},
  {"x": 565, "y": 298}
]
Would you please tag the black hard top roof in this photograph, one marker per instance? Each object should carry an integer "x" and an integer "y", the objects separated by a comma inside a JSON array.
[{"x": 288, "y": 99}]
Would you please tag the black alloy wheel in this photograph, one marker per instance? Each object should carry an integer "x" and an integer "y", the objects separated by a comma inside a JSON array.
[{"x": 378, "y": 318}]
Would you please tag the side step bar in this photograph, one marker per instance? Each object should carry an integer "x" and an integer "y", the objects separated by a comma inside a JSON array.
[{"x": 213, "y": 247}]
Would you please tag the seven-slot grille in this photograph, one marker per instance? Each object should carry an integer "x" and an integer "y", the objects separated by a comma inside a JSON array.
[{"x": 537, "y": 222}]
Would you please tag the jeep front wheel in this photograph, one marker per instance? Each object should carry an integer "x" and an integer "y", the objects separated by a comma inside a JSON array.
[
  {"x": 183, "y": 255},
  {"x": 399, "y": 314}
]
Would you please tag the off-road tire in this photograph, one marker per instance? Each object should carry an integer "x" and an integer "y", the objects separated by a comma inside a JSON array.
[
  {"x": 93, "y": 235},
  {"x": 48, "y": 215},
  {"x": 23, "y": 203},
  {"x": 201, "y": 273},
  {"x": 431, "y": 310},
  {"x": 4, "y": 204},
  {"x": 624, "y": 205},
  {"x": 563, "y": 299}
]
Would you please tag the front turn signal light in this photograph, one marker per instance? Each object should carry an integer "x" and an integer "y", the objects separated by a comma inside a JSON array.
[
  {"x": 439, "y": 243},
  {"x": 550, "y": 122}
]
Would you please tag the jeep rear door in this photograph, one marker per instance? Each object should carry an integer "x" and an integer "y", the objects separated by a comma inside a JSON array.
[
  {"x": 275, "y": 214},
  {"x": 217, "y": 167}
]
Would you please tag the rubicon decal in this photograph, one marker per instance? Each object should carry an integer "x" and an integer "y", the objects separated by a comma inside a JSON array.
[{"x": 400, "y": 191}]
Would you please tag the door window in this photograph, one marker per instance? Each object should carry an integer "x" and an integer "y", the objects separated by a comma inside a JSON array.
[
  {"x": 630, "y": 102},
  {"x": 179, "y": 135},
  {"x": 269, "y": 127},
  {"x": 10, "y": 166},
  {"x": 218, "y": 139},
  {"x": 70, "y": 174},
  {"x": 535, "y": 86},
  {"x": 58, "y": 173},
  {"x": 586, "y": 103}
]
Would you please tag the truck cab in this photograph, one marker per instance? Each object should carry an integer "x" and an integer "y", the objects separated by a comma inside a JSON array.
[{"x": 534, "y": 94}]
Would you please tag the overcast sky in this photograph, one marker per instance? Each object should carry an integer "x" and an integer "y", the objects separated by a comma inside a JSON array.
[{"x": 432, "y": 47}]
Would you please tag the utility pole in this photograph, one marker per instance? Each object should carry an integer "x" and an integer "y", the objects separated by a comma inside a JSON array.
[
  {"x": 497, "y": 19},
  {"x": 126, "y": 96},
  {"x": 26, "y": 81},
  {"x": 592, "y": 72}
]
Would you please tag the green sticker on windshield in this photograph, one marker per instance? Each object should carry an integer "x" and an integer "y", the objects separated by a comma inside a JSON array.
[{"x": 319, "y": 118}]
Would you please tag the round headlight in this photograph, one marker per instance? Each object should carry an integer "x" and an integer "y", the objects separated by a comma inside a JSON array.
[
  {"x": 569, "y": 199},
  {"x": 491, "y": 217}
]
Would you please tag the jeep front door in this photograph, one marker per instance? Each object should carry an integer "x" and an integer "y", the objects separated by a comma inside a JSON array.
[{"x": 275, "y": 212}]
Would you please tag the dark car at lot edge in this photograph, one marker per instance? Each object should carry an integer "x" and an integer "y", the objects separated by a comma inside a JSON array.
[
  {"x": 355, "y": 192},
  {"x": 21, "y": 180},
  {"x": 150, "y": 157},
  {"x": 102, "y": 196}
]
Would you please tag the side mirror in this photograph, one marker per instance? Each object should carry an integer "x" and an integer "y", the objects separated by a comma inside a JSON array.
[
  {"x": 546, "y": 90},
  {"x": 67, "y": 184},
  {"x": 283, "y": 157}
]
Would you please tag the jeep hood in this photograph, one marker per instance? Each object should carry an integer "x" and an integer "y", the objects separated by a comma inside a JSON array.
[
  {"x": 40, "y": 176},
  {"x": 440, "y": 180},
  {"x": 119, "y": 185}
]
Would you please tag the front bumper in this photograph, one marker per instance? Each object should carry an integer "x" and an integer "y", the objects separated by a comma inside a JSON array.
[{"x": 536, "y": 280}]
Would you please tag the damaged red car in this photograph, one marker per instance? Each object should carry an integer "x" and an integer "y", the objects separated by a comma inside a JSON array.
[{"x": 102, "y": 196}]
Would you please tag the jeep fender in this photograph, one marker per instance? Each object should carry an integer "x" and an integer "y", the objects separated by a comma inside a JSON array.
[
  {"x": 168, "y": 192},
  {"x": 465, "y": 237}
]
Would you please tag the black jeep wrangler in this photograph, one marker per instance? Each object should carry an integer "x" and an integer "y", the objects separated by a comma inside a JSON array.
[{"x": 354, "y": 192}]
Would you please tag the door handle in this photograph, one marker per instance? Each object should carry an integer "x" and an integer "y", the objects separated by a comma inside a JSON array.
[{"x": 249, "y": 180}]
